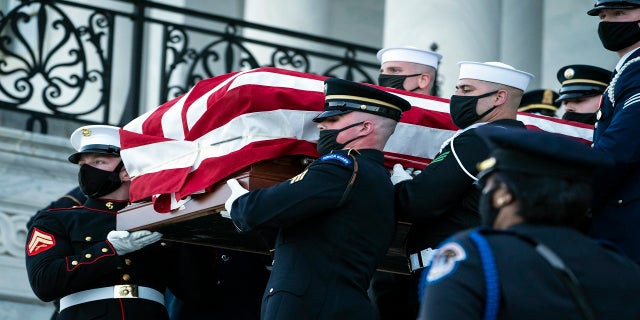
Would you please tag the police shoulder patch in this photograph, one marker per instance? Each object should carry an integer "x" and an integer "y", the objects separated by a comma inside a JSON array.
[
  {"x": 336, "y": 157},
  {"x": 446, "y": 261}
]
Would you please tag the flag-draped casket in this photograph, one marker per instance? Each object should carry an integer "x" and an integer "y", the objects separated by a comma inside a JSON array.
[{"x": 225, "y": 124}]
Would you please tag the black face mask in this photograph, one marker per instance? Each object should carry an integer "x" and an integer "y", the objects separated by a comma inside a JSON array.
[
  {"x": 588, "y": 118},
  {"x": 488, "y": 213},
  {"x": 96, "y": 183},
  {"x": 327, "y": 140},
  {"x": 463, "y": 109},
  {"x": 395, "y": 81},
  {"x": 616, "y": 36}
]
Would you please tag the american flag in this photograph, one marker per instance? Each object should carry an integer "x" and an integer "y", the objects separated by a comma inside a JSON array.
[{"x": 228, "y": 122}]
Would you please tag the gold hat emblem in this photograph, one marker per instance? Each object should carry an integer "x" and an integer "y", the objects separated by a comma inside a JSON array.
[
  {"x": 86, "y": 132},
  {"x": 547, "y": 97},
  {"x": 569, "y": 73},
  {"x": 486, "y": 164}
]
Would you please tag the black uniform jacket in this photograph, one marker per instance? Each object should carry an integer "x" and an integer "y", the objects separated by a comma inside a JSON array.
[
  {"x": 332, "y": 234},
  {"x": 67, "y": 252},
  {"x": 442, "y": 199},
  {"x": 529, "y": 287}
]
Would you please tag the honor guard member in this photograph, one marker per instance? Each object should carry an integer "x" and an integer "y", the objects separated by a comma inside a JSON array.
[
  {"x": 409, "y": 69},
  {"x": 74, "y": 254},
  {"x": 542, "y": 102},
  {"x": 581, "y": 91},
  {"x": 74, "y": 197},
  {"x": 530, "y": 262},
  {"x": 616, "y": 212},
  {"x": 442, "y": 199},
  {"x": 335, "y": 220}
]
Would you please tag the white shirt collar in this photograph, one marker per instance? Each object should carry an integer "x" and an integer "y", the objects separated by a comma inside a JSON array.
[{"x": 624, "y": 58}]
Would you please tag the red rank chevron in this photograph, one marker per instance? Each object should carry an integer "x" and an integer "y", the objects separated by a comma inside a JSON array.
[
  {"x": 228, "y": 122},
  {"x": 40, "y": 241}
]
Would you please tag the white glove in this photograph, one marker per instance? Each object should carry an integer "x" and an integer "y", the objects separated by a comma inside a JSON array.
[
  {"x": 236, "y": 191},
  {"x": 124, "y": 241},
  {"x": 399, "y": 174}
]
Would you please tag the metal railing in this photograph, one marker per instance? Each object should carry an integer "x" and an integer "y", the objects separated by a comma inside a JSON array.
[{"x": 74, "y": 62}]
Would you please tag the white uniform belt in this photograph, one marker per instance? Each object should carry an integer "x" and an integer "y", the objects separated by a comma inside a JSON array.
[
  {"x": 421, "y": 259},
  {"x": 126, "y": 291}
]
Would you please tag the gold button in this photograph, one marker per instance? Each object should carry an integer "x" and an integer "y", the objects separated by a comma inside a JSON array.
[
  {"x": 88, "y": 255},
  {"x": 74, "y": 263},
  {"x": 620, "y": 201},
  {"x": 105, "y": 250},
  {"x": 126, "y": 277},
  {"x": 164, "y": 244},
  {"x": 271, "y": 290},
  {"x": 127, "y": 262},
  {"x": 595, "y": 125},
  {"x": 88, "y": 238}
]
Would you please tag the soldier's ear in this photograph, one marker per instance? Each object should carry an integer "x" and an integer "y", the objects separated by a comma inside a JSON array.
[{"x": 424, "y": 80}]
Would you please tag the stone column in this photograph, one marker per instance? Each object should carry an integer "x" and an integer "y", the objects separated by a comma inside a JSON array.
[
  {"x": 521, "y": 37},
  {"x": 463, "y": 30}
]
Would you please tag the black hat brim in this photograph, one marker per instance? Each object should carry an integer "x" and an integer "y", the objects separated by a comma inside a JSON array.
[
  {"x": 329, "y": 113},
  {"x": 96, "y": 148},
  {"x": 596, "y": 10},
  {"x": 576, "y": 95}
]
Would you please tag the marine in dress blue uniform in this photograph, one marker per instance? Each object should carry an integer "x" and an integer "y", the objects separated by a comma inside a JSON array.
[
  {"x": 616, "y": 212},
  {"x": 442, "y": 199},
  {"x": 533, "y": 264},
  {"x": 335, "y": 219},
  {"x": 68, "y": 256}
]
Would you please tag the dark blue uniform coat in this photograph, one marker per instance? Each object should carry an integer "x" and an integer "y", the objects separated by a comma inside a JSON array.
[
  {"x": 616, "y": 214},
  {"x": 326, "y": 250},
  {"x": 530, "y": 288}
]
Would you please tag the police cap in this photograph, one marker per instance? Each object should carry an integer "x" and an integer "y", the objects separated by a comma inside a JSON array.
[
  {"x": 342, "y": 96},
  {"x": 538, "y": 153},
  {"x": 613, "y": 4},
  {"x": 541, "y": 101},
  {"x": 95, "y": 139},
  {"x": 580, "y": 81}
]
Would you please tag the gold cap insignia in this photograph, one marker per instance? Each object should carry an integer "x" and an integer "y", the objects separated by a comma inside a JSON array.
[
  {"x": 86, "y": 132},
  {"x": 486, "y": 164},
  {"x": 569, "y": 73},
  {"x": 547, "y": 97}
]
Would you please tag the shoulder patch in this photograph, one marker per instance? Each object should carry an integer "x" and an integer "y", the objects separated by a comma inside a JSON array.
[
  {"x": 446, "y": 261},
  {"x": 40, "y": 241},
  {"x": 337, "y": 157}
]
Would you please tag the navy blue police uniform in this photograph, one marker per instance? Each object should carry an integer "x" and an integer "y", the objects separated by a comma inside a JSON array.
[
  {"x": 538, "y": 266},
  {"x": 335, "y": 221},
  {"x": 68, "y": 253},
  {"x": 616, "y": 212},
  {"x": 529, "y": 287}
]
